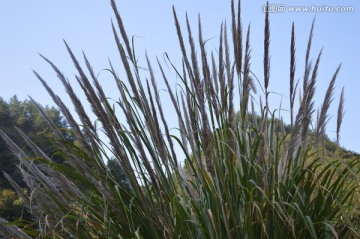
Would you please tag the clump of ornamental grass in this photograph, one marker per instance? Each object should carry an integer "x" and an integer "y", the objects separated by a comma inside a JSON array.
[{"x": 244, "y": 175}]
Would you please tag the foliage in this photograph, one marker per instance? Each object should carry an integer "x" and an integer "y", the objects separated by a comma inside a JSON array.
[
  {"x": 244, "y": 177},
  {"x": 22, "y": 115},
  {"x": 117, "y": 172},
  {"x": 10, "y": 204}
]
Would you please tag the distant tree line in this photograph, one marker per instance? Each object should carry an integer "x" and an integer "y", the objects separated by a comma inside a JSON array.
[{"x": 25, "y": 116}]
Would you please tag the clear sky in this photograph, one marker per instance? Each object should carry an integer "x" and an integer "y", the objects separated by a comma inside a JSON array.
[{"x": 39, "y": 26}]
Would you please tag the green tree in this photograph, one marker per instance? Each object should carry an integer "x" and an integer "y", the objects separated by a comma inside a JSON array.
[
  {"x": 117, "y": 171},
  {"x": 25, "y": 116},
  {"x": 12, "y": 206}
]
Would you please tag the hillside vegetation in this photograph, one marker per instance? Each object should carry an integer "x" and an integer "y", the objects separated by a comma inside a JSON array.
[{"x": 18, "y": 117}]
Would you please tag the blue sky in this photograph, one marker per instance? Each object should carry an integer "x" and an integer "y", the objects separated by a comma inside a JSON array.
[{"x": 39, "y": 26}]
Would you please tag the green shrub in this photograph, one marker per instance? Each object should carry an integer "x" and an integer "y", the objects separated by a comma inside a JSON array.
[{"x": 10, "y": 204}]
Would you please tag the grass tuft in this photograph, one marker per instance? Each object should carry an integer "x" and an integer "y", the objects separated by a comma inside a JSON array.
[{"x": 244, "y": 173}]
